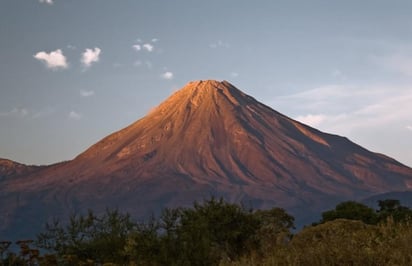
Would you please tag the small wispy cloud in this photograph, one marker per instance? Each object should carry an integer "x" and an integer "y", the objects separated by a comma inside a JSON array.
[
  {"x": 311, "y": 120},
  {"x": 409, "y": 127},
  {"x": 167, "y": 75},
  {"x": 137, "y": 47},
  {"x": 16, "y": 112},
  {"x": 19, "y": 112},
  {"x": 347, "y": 108},
  {"x": 53, "y": 60},
  {"x": 74, "y": 115},
  {"x": 49, "y": 2},
  {"x": 85, "y": 93},
  {"x": 331, "y": 97},
  {"x": 90, "y": 56},
  {"x": 148, "y": 47},
  {"x": 219, "y": 44}
]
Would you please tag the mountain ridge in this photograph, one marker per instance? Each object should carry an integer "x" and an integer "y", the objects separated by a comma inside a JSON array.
[{"x": 207, "y": 139}]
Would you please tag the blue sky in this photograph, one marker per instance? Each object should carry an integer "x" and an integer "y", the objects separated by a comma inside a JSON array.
[{"x": 72, "y": 72}]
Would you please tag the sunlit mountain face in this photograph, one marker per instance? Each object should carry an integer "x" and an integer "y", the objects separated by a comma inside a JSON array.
[{"x": 207, "y": 139}]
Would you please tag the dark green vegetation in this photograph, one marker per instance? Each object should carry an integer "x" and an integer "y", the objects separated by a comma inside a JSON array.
[
  {"x": 351, "y": 234},
  {"x": 353, "y": 210},
  {"x": 219, "y": 233}
]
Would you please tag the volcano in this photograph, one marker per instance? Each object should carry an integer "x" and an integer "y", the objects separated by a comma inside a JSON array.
[{"x": 207, "y": 139}]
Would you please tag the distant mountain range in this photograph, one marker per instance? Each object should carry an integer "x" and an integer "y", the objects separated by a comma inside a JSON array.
[{"x": 207, "y": 139}]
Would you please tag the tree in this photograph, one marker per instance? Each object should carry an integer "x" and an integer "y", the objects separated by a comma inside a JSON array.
[
  {"x": 213, "y": 231},
  {"x": 143, "y": 244},
  {"x": 209, "y": 233},
  {"x": 169, "y": 224},
  {"x": 274, "y": 228},
  {"x": 393, "y": 208},
  {"x": 351, "y": 210},
  {"x": 94, "y": 238}
]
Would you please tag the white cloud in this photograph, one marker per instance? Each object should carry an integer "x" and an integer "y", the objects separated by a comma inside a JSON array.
[
  {"x": 53, "y": 60},
  {"x": 49, "y": 2},
  {"x": 84, "y": 93},
  {"x": 344, "y": 109},
  {"x": 75, "y": 115},
  {"x": 334, "y": 99},
  {"x": 167, "y": 75},
  {"x": 311, "y": 120},
  {"x": 148, "y": 47},
  {"x": 90, "y": 56},
  {"x": 377, "y": 118},
  {"x": 16, "y": 112}
]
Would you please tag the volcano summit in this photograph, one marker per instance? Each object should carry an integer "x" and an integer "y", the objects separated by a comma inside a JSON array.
[{"x": 209, "y": 138}]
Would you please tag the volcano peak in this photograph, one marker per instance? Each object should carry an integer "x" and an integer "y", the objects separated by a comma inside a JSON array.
[
  {"x": 208, "y": 138},
  {"x": 206, "y": 92},
  {"x": 206, "y": 84},
  {"x": 204, "y": 87}
]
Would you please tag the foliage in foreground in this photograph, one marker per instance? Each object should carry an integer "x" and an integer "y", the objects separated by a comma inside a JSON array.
[
  {"x": 341, "y": 242},
  {"x": 350, "y": 234},
  {"x": 352, "y": 210},
  {"x": 219, "y": 233},
  {"x": 206, "y": 234}
]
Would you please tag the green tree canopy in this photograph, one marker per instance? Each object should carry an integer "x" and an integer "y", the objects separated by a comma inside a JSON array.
[
  {"x": 216, "y": 230},
  {"x": 351, "y": 210},
  {"x": 89, "y": 237},
  {"x": 393, "y": 208}
]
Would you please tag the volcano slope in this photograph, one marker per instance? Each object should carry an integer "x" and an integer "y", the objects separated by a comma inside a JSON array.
[{"x": 207, "y": 139}]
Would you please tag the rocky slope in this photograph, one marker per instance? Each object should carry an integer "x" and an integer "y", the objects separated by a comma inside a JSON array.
[
  {"x": 9, "y": 168},
  {"x": 208, "y": 138}
]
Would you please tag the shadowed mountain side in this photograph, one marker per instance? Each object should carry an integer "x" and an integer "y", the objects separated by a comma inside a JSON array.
[{"x": 208, "y": 138}]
